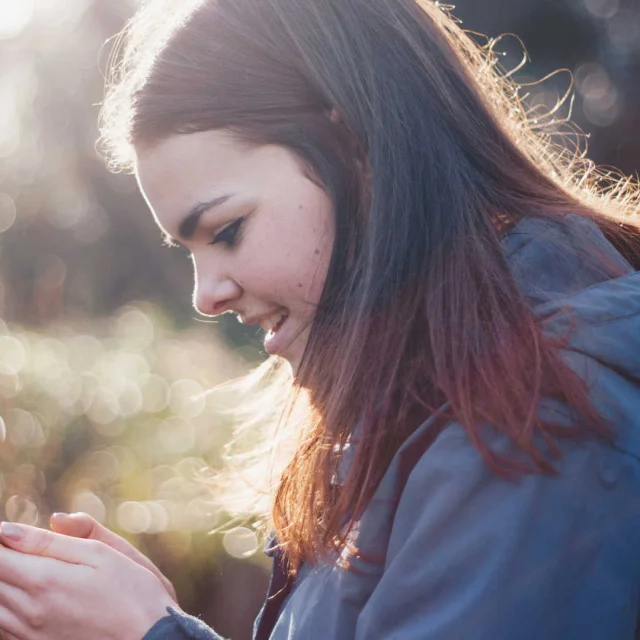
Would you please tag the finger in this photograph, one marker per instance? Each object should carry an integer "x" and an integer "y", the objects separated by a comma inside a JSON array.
[
  {"x": 78, "y": 525},
  {"x": 15, "y": 568},
  {"x": 13, "y": 598},
  {"x": 11, "y": 626},
  {"x": 27, "y": 571},
  {"x": 13, "y": 604},
  {"x": 41, "y": 542},
  {"x": 82, "y": 525}
]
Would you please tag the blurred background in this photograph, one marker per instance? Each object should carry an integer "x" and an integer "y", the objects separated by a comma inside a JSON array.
[{"x": 103, "y": 363}]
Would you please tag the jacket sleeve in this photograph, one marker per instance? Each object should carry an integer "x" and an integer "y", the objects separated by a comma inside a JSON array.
[
  {"x": 180, "y": 626},
  {"x": 475, "y": 556}
]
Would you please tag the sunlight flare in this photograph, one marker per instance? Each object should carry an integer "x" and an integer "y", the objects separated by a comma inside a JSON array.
[{"x": 14, "y": 17}]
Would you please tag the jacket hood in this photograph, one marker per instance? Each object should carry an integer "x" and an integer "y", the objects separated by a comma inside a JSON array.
[{"x": 595, "y": 316}]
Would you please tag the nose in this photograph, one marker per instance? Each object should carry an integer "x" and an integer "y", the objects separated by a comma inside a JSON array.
[{"x": 213, "y": 295}]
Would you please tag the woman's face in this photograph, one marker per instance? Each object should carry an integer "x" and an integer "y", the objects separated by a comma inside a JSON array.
[{"x": 260, "y": 233}]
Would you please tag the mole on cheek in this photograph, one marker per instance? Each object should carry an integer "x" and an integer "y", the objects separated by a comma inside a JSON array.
[{"x": 317, "y": 252}]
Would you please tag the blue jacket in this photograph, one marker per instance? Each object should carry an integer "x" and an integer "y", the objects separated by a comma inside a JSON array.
[{"x": 468, "y": 555}]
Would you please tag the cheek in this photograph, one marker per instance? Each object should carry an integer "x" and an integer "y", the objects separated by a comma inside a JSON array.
[
  {"x": 313, "y": 256},
  {"x": 293, "y": 275},
  {"x": 316, "y": 273},
  {"x": 287, "y": 253}
]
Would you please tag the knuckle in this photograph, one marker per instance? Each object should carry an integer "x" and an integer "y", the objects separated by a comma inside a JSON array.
[
  {"x": 36, "y": 617},
  {"x": 97, "y": 548},
  {"x": 43, "y": 542},
  {"x": 48, "y": 583},
  {"x": 33, "y": 581},
  {"x": 41, "y": 585}
]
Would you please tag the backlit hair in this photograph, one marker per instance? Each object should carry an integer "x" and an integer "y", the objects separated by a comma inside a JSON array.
[{"x": 431, "y": 159}]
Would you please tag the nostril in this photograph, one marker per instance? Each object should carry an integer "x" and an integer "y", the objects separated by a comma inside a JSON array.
[
  {"x": 210, "y": 308},
  {"x": 206, "y": 305},
  {"x": 216, "y": 298}
]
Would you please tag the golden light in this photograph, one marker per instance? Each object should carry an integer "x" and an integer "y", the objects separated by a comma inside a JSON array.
[
  {"x": 240, "y": 542},
  {"x": 14, "y": 17}
]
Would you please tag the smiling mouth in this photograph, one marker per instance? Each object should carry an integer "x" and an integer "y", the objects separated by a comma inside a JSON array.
[
  {"x": 276, "y": 342},
  {"x": 276, "y": 328}
]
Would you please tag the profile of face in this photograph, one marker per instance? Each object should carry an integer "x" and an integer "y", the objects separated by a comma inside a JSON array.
[{"x": 259, "y": 231}]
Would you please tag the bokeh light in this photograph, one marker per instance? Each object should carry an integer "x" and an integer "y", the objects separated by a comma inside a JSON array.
[
  {"x": 111, "y": 392},
  {"x": 624, "y": 32},
  {"x": 240, "y": 542},
  {"x": 14, "y": 17},
  {"x": 7, "y": 212},
  {"x": 88, "y": 502},
  {"x": 600, "y": 103},
  {"x": 602, "y": 8},
  {"x": 134, "y": 517},
  {"x": 186, "y": 399},
  {"x": 24, "y": 429},
  {"x": 22, "y": 509},
  {"x": 13, "y": 355}
]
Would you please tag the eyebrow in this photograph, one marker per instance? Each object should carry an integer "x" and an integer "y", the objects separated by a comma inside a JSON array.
[{"x": 189, "y": 223}]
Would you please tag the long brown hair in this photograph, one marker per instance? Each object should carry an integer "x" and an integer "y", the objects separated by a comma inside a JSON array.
[{"x": 430, "y": 160}]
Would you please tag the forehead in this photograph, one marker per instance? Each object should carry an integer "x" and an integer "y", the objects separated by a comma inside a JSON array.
[
  {"x": 178, "y": 165},
  {"x": 183, "y": 171}
]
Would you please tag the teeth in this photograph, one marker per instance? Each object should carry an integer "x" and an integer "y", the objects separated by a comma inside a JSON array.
[{"x": 278, "y": 324}]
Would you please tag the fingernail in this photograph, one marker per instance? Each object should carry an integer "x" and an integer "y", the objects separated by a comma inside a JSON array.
[
  {"x": 61, "y": 514},
  {"x": 11, "y": 531}
]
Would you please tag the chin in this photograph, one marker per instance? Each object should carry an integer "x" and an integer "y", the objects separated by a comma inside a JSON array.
[
  {"x": 292, "y": 363},
  {"x": 292, "y": 355}
]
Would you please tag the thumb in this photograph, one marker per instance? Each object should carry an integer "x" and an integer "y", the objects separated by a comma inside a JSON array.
[{"x": 77, "y": 525}]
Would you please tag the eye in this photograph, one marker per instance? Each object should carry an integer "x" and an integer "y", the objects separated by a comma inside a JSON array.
[{"x": 228, "y": 235}]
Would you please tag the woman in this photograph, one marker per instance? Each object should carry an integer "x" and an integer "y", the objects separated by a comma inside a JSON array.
[{"x": 458, "y": 303}]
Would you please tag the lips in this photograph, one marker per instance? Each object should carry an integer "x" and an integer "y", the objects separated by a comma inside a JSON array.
[
  {"x": 274, "y": 324},
  {"x": 273, "y": 320},
  {"x": 279, "y": 323},
  {"x": 276, "y": 339},
  {"x": 266, "y": 322}
]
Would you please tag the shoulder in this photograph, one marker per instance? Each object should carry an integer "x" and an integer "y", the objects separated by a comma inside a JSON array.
[
  {"x": 550, "y": 259},
  {"x": 471, "y": 554},
  {"x": 564, "y": 269},
  {"x": 451, "y": 494}
]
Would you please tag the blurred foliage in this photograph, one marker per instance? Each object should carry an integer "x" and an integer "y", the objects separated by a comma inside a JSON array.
[
  {"x": 113, "y": 417},
  {"x": 102, "y": 399}
]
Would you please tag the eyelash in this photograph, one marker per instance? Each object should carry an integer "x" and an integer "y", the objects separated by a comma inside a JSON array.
[
  {"x": 168, "y": 241},
  {"x": 228, "y": 235}
]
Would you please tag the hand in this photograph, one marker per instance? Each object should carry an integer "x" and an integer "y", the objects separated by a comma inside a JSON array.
[
  {"x": 82, "y": 525},
  {"x": 61, "y": 588}
]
